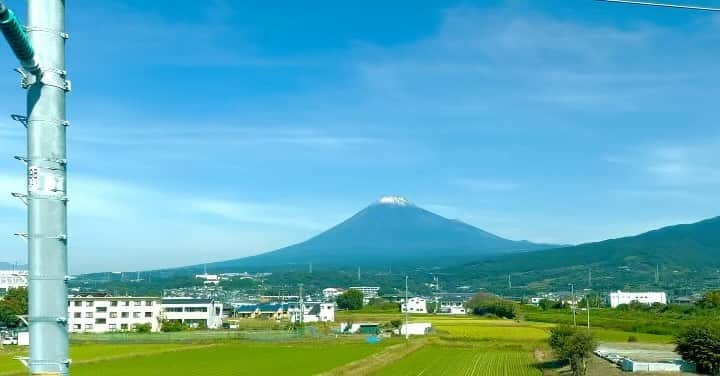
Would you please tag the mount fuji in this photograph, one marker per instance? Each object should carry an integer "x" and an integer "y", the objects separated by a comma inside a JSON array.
[{"x": 391, "y": 231}]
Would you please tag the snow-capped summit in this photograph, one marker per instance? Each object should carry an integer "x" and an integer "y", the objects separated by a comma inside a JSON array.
[{"x": 394, "y": 200}]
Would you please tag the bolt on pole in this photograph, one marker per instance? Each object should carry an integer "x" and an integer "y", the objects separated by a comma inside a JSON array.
[{"x": 40, "y": 48}]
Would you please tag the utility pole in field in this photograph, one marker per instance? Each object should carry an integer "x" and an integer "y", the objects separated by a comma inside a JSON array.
[
  {"x": 40, "y": 48},
  {"x": 407, "y": 308},
  {"x": 572, "y": 303},
  {"x": 587, "y": 304}
]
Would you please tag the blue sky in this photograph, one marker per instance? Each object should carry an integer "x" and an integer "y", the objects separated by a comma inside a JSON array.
[{"x": 203, "y": 131}]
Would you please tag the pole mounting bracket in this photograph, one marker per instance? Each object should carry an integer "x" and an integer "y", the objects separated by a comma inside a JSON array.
[
  {"x": 50, "y": 122},
  {"x": 26, "y": 160},
  {"x": 26, "y": 236},
  {"x": 61, "y": 34},
  {"x": 22, "y": 119},
  {"x": 21, "y": 196}
]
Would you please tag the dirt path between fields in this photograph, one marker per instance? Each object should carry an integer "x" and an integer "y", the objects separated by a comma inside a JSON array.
[{"x": 377, "y": 361}]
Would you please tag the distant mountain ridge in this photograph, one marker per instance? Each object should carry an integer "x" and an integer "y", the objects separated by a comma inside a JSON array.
[
  {"x": 391, "y": 231},
  {"x": 695, "y": 245}
]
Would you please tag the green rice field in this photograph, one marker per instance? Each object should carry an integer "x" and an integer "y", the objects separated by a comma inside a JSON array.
[
  {"x": 239, "y": 358},
  {"x": 460, "y": 346},
  {"x": 441, "y": 360}
]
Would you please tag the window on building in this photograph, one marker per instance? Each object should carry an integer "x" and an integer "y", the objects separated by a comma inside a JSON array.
[
  {"x": 88, "y": 326},
  {"x": 138, "y": 303},
  {"x": 101, "y": 309},
  {"x": 136, "y": 315},
  {"x": 77, "y": 315},
  {"x": 196, "y": 309},
  {"x": 113, "y": 303},
  {"x": 124, "y": 315},
  {"x": 123, "y": 326},
  {"x": 77, "y": 303},
  {"x": 89, "y": 303},
  {"x": 77, "y": 326},
  {"x": 126, "y": 303},
  {"x": 149, "y": 303},
  {"x": 173, "y": 309},
  {"x": 113, "y": 315},
  {"x": 112, "y": 327},
  {"x": 148, "y": 314},
  {"x": 88, "y": 315},
  {"x": 100, "y": 321}
]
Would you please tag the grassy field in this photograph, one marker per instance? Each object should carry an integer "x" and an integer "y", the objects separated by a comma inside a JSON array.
[
  {"x": 464, "y": 345},
  {"x": 446, "y": 360},
  {"x": 92, "y": 353},
  {"x": 239, "y": 358}
]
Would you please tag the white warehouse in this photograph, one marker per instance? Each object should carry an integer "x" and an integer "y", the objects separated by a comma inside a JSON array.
[
  {"x": 619, "y": 297},
  {"x": 414, "y": 305},
  {"x": 193, "y": 312},
  {"x": 99, "y": 314}
]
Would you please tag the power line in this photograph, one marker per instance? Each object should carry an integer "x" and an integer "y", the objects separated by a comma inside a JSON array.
[{"x": 662, "y": 5}]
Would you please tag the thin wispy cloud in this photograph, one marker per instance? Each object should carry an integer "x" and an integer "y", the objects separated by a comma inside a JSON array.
[
  {"x": 480, "y": 185},
  {"x": 690, "y": 165}
]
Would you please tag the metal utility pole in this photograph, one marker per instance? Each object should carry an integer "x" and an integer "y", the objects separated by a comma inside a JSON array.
[
  {"x": 40, "y": 48},
  {"x": 301, "y": 307},
  {"x": 407, "y": 304},
  {"x": 572, "y": 303},
  {"x": 587, "y": 303}
]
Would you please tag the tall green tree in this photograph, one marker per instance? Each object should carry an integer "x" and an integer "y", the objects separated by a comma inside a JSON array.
[
  {"x": 350, "y": 300},
  {"x": 711, "y": 299},
  {"x": 574, "y": 345},
  {"x": 700, "y": 344},
  {"x": 489, "y": 304},
  {"x": 14, "y": 303}
]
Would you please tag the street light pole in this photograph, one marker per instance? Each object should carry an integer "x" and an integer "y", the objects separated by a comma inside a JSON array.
[{"x": 40, "y": 48}]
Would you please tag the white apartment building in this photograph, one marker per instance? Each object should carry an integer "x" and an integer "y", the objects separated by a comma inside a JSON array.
[
  {"x": 619, "y": 297},
  {"x": 368, "y": 292},
  {"x": 193, "y": 312},
  {"x": 414, "y": 305},
  {"x": 12, "y": 279},
  {"x": 209, "y": 279},
  {"x": 99, "y": 314},
  {"x": 312, "y": 312},
  {"x": 331, "y": 293},
  {"x": 452, "y": 308}
]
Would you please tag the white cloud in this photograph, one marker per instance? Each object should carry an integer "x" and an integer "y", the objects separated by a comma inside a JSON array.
[
  {"x": 266, "y": 214},
  {"x": 690, "y": 165}
]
